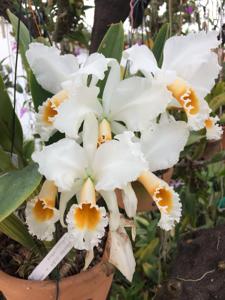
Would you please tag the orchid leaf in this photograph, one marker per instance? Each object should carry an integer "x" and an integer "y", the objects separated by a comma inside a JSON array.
[
  {"x": 16, "y": 187},
  {"x": 5, "y": 161},
  {"x": 113, "y": 42},
  {"x": 16, "y": 230},
  {"x": 159, "y": 43},
  {"x": 111, "y": 46},
  {"x": 7, "y": 125},
  {"x": 39, "y": 95}
]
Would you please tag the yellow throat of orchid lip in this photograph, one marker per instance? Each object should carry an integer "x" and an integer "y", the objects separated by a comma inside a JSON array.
[
  {"x": 104, "y": 132},
  {"x": 160, "y": 193},
  {"x": 185, "y": 95},
  {"x": 43, "y": 208},
  {"x": 88, "y": 215},
  {"x": 51, "y": 104},
  {"x": 208, "y": 123}
]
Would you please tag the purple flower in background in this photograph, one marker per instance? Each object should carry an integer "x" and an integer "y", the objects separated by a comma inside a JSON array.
[
  {"x": 189, "y": 10},
  {"x": 77, "y": 51},
  {"x": 176, "y": 183},
  {"x": 23, "y": 110},
  {"x": 14, "y": 46}
]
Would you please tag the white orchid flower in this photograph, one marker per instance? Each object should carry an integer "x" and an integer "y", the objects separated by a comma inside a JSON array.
[
  {"x": 41, "y": 214},
  {"x": 52, "y": 69},
  {"x": 161, "y": 145},
  {"x": 213, "y": 130},
  {"x": 103, "y": 169},
  {"x": 196, "y": 68},
  {"x": 134, "y": 101}
]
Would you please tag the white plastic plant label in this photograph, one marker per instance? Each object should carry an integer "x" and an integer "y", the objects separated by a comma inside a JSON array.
[{"x": 53, "y": 258}]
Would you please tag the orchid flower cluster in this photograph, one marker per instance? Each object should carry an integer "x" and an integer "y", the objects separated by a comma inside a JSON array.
[{"x": 115, "y": 137}]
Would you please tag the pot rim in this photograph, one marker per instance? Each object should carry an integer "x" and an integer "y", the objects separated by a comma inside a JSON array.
[{"x": 102, "y": 266}]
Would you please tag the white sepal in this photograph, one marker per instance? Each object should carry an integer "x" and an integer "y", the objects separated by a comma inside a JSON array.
[
  {"x": 121, "y": 253},
  {"x": 163, "y": 142},
  {"x": 49, "y": 67},
  {"x": 129, "y": 200}
]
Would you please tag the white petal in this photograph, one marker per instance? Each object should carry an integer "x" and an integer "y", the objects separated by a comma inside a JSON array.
[
  {"x": 112, "y": 205},
  {"x": 85, "y": 238},
  {"x": 42, "y": 230},
  {"x": 129, "y": 200},
  {"x": 121, "y": 253},
  {"x": 96, "y": 64},
  {"x": 163, "y": 142},
  {"x": 62, "y": 162},
  {"x": 72, "y": 112},
  {"x": 112, "y": 82},
  {"x": 49, "y": 67},
  {"x": 88, "y": 259},
  {"x": 112, "y": 163},
  {"x": 191, "y": 57},
  {"x": 90, "y": 135},
  {"x": 141, "y": 59},
  {"x": 136, "y": 101}
]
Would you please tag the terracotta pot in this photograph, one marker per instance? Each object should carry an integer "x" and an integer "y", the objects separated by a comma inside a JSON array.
[{"x": 93, "y": 284}]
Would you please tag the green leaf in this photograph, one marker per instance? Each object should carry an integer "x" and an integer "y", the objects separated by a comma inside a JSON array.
[
  {"x": 6, "y": 123},
  {"x": 16, "y": 230},
  {"x": 144, "y": 253},
  {"x": 218, "y": 157},
  {"x": 24, "y": 36},
  {"x": 222, "y": 118},
  {"x": 159, "y": 43},
  {"x": 5, "y": 161},
  {"x": 28, "y": 149},
  {"x": 16, "y": 187},
  {"x": 112, "y": 44},
  {"x": 221, "y": 204},
  {"x": 39, "y": 95},
  {"x": 217, "y": 101},
  {"x": 80, "y": 36},
  {"x": 195, "y": 137},
  {"x": 218, "y": 89}
]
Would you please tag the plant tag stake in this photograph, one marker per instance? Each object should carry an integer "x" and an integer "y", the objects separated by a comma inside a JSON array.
[{"x": 53, "y": 258}]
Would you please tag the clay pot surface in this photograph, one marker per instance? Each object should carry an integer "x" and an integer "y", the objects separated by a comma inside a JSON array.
[{"x": 93, "y": 284}]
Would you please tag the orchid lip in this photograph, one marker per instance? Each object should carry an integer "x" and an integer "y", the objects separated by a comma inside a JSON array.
[{"x": 185, "y": 95}]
